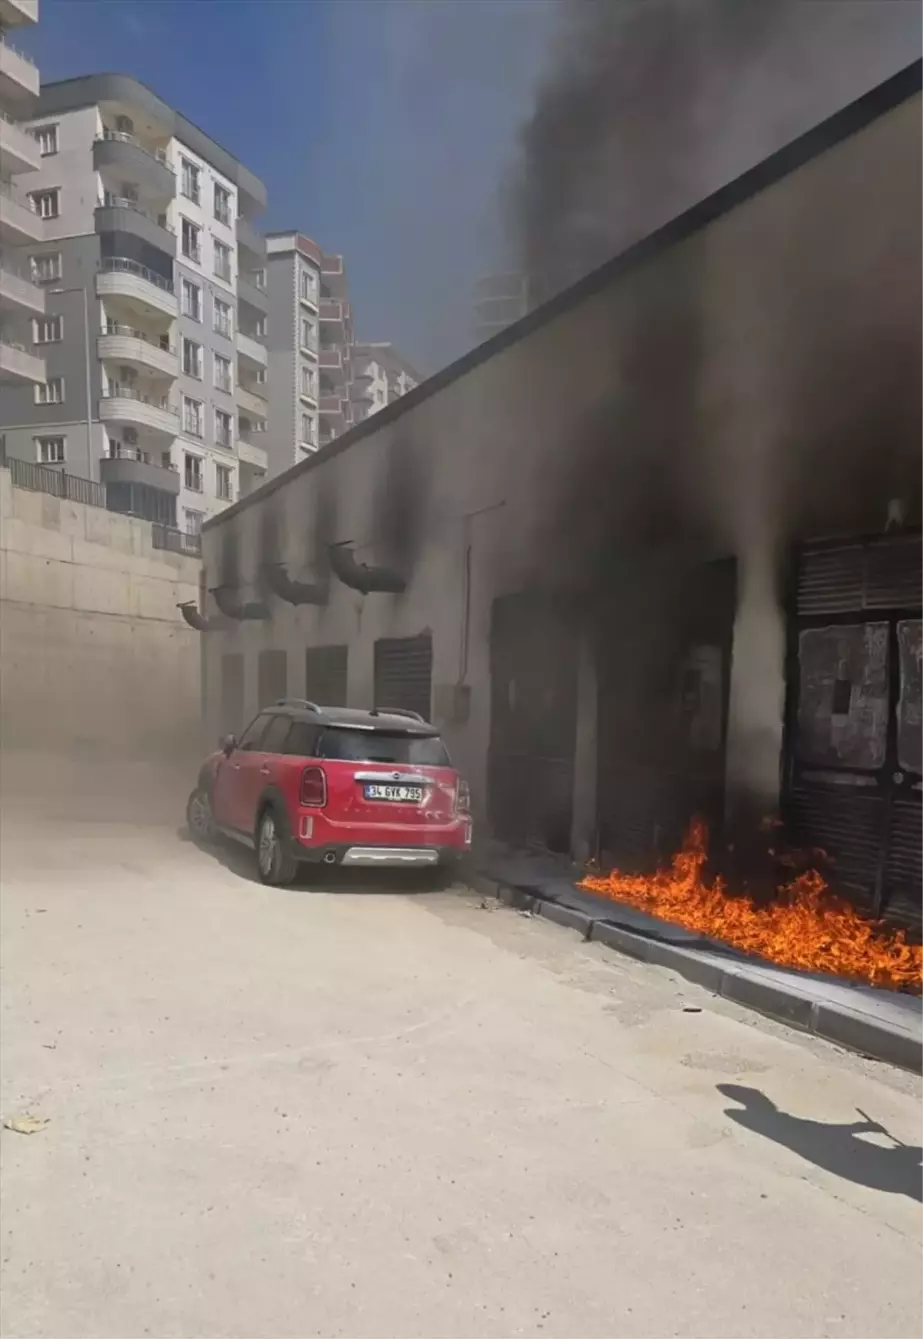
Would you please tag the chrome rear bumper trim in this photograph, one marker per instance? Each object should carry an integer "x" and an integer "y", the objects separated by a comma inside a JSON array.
[{"x": 396, "y": 856}]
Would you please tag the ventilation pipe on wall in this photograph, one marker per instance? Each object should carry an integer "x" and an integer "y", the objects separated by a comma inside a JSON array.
[
  {"x": 360, "y": 577},
  {"x": 229, "y": 603},
  {"x": 293, "y": 592}
]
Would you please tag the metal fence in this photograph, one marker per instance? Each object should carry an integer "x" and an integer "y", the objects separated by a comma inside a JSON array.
[
  {"x": 176, "y": 541},
  {"x": 42, "y": 479}
]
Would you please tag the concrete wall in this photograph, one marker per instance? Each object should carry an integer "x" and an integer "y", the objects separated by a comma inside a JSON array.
[
  {"x": 755, "y": 382},
  {"x": 94, "y": 654}
]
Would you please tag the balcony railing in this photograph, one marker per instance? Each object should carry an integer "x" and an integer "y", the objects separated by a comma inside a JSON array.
[
  {"x": 120, "y": 452},
  {"x": 126, "y": 202},
  {"x": 120, "y": 265},
  {"x": 10, "y": 46},
  {"x": 115, "y": 391},
  {"x": 176, "y": 541},
  {"x": 123, "y": 138},
  {"x": 116, "y": 328}
]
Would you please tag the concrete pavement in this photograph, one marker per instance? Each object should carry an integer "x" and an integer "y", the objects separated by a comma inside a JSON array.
[{"x": 390, "y": 1113}]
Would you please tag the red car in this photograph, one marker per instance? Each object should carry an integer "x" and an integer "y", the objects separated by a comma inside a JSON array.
[{"x": 334, "y": 785}]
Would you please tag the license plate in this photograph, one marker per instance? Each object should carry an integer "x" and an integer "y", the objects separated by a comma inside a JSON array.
[{"x": 407, "y": 794}]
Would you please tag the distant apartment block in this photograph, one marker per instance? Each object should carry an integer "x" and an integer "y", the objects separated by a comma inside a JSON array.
[
  {"x": 336, "y": 350},
  {"x": 500, "y": 300},
  {"x": 154, "y": 327},
  {"x": 381, "y": 375},
  {"x": 293, "y": 287},
  {"x": 22, "y": 299}
]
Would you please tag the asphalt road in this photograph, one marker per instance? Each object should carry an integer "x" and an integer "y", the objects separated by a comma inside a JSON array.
[{"x": 392, "y": 1113}]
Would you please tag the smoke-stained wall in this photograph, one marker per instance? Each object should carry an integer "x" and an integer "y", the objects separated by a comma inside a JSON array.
[{"x": 755, "y": 382}]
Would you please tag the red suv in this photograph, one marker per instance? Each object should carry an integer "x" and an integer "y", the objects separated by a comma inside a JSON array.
[{"x": 332, "y": 784}]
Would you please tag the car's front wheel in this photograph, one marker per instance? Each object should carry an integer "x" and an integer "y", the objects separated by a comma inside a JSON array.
[
  {"x": 275, "y": 863},
  {"x": 199, "y": 818}
]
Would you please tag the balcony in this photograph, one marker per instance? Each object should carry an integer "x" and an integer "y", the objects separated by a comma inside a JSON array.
[
  {"x": 136, "y": 285},
  {"x": 19, "y": 151},
  {"x": 251, "y": 349},
  {"x": 19, "y": 79},
  {"x": 118, "y": 215},
  {"x": 335, "y": 316},
  {"x": 253, "y": 296},
  {"x": 126, "y": 404},
  {"x": 130, "y": 466},
  {"x": 13, "y": 13},
  {"x": 122, "y": 344},
  {"x": 252, "y": 402},
  {"x": 251, "y": 454},
  {"x": 19, "y": 223},
  {"x": 19, "y": 366},
  {"x": 126, "y": 158},
  {"x": 251, "y": 241},
  {"x": 18, "y": 291}
]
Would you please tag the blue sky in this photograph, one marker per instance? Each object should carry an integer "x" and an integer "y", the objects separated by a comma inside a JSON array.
[{"x": 381, "y": 127}]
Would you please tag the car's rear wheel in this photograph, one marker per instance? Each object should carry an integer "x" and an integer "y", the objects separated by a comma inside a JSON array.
[
  {"x": 274, "y": 861},
  {"x": 199, "y": 818}
]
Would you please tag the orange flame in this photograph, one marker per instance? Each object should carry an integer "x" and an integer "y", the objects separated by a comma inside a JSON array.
[{"x": 805, "y": 927}]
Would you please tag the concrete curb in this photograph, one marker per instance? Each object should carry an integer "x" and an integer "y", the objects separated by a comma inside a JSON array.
[{"x": 780, "y": 999}]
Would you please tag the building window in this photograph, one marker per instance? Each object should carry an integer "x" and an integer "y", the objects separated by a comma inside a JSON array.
[
  {"x": 223, "y": 482},
  {"x": 224, "y": 429},
  {"x": 308, "y": 334},
  {"x": 309, "y": 382},
  {"x": 190, "y": 242},
  {"x": 48, "y": 331},
  {"x": 46, "y": 269},
  {"x": 47, "y": 204},
  {"x": 190, "y": 181},
  {"x": 222, "y": 261},
  {"x": 192, "y": 419},
  {"x": 47, "y": 137},
  {"x": 192, "y": 300},
  {"x": 192, "y": 359},
  {"x": 222, "y": 205},
  {"x": 50, "y": 450},
  {"x": 307, "y": 430},
  {"x": 194, "y": 521},
  {"x": 222, "y": 315},
  {"x": 192, "y": 472},
  {"x": 223, "y": 373},
  {"x": 308, "y": 288},
  {"x": 50, "y": 392}
]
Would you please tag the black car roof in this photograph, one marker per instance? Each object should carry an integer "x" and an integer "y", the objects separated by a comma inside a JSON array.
[{"x": 388, "y": 719}]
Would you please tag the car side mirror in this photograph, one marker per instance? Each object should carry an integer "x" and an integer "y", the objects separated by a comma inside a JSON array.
[{"x": 228, "y": 745}]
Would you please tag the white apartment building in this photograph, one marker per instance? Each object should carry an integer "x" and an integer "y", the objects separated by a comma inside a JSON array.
[
  {"x": 293, "y": 284},
  {"x": 22, "y": 301},
  {"x": 381, "y": 375},
  {"x": 154, "y": 332}
]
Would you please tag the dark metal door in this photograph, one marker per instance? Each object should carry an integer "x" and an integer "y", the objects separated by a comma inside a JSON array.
[
  {"x": 272, "y": 677},
  {"x": 232, "y": 693},
  {"x": 325, "y": 675},
  {"x": 533, "y": 718},
  {"x": 853, "y": 767},
  {"x": 404, "y": 673},
  {"x": 663, "y": 663}
]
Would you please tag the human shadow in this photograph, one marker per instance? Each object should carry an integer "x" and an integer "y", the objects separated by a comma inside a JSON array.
[{"x": 834, "y": 1147}]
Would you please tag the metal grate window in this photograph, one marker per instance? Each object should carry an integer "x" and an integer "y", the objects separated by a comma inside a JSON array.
[{"x": 404, "y": 673}]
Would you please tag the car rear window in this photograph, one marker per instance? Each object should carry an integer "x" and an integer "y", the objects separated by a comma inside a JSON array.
[{"x": 381, "y": 746}]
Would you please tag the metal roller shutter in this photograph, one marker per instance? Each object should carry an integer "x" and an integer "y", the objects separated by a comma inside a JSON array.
[{"x": 404, "y": 673}]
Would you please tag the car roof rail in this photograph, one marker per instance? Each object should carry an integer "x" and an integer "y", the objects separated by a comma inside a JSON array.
[
  {"x": 298, "y": 702},
  {"x": 401, "y": 711}
]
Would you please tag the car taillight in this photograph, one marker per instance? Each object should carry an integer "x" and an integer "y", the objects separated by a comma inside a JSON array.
[
  {"x": 313, "y": 787},
  {"x": 463, "y": 798}
]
